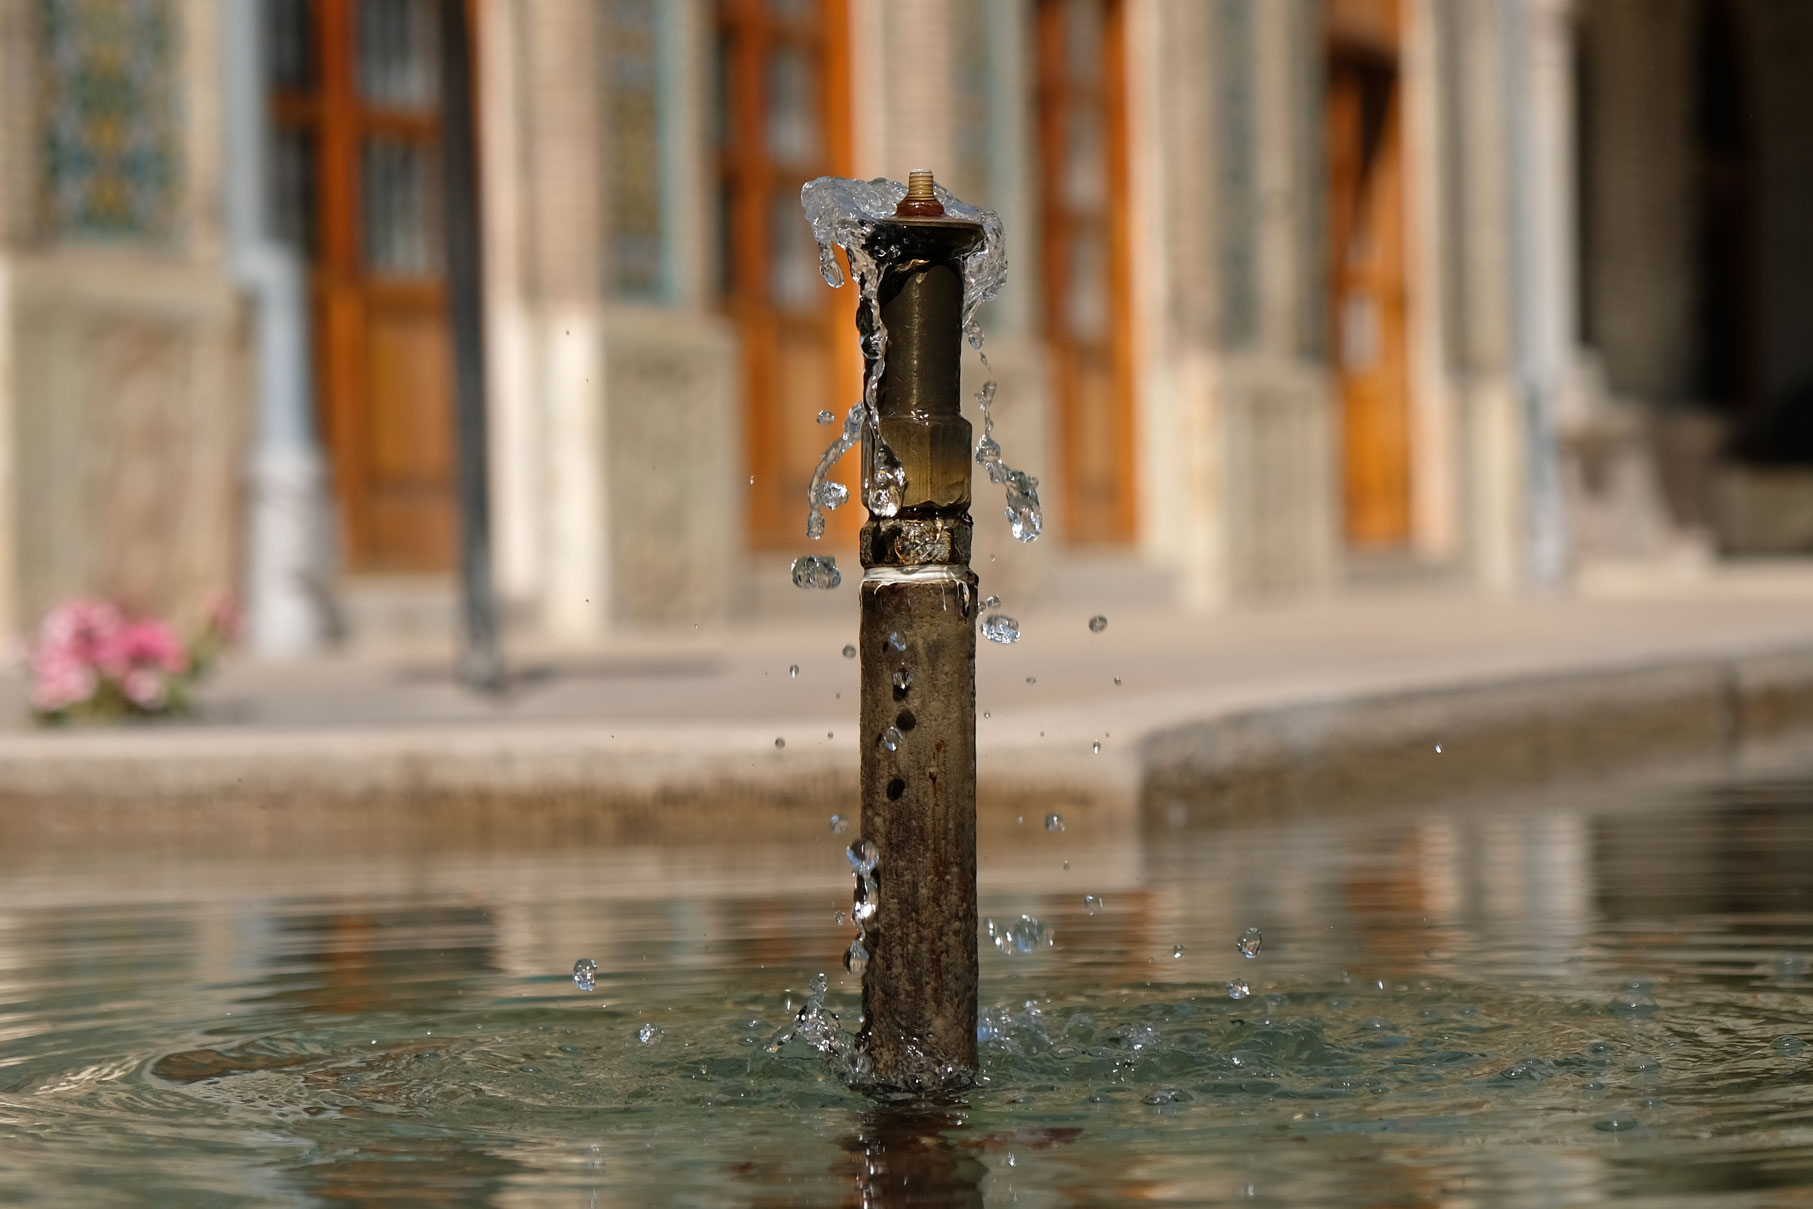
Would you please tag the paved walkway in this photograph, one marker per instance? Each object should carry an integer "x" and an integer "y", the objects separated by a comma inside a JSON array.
[{"x": 663, "y": 714}]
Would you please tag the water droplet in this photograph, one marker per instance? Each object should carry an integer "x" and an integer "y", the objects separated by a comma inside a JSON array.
[
  {"x": 1093, "y": 904},
  {"x": 585, "y": 973},
  {"x": 1176, "y": 951},
  {"x": 887, "y": 481},
  {"x": 1617, "y": 1123},
  {"x": 1024, "y": 935},
  {"x": 1249, "y": 943},
  {"x": 793, "y": 672},
  {"x": 856, "y": 957},
  {"x": 832, "y": 495},
  {"x": 825, "y": 417},
  {"x": 896, "y": 641},
  {"x": 839, "y": 824},
  {"x": 849, "y": 650},
  {"x": 650, "y": 1033},
  {"x": 841, "y": 919},
  {"x": 779, "y": 742},
  {"x": 890, "y": 738},
  {"x": 986, "y": 714},
  {"x": 1238, "y": 989},
  {"x": 993, "y": 602},
  {"x": 1788, "y": 1043},
  {"x": 752, "y": 480},
  {"x": 998, "y": 627},
  {"x": 903, "y": 680},
  {"x": 1096, "y": 747},
  {"x": 1167, "y": 1095},
  {"x": 1024, "y": 519},
  {"x": 1054, "y": 821},
  {"x": 1117, "y": 679},
  {"x": 816, "y": 571},
  {"x": 1438, "y": 749},
  {"x": 1097, "y": 624},
  {"x": 864, "y": 856}
]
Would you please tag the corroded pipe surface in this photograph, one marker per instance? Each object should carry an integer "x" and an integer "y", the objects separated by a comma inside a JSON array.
[{"x": 918, "y": 710}]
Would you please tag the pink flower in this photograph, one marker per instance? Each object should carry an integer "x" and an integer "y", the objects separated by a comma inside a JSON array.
[
  {"x": 59, "y": 681},
  {"x": 82, "y": 629},
  {"x": 145, "y": 687},
  {"x": 146, "y": 644}
]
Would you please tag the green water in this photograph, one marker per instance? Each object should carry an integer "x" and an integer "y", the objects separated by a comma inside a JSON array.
[{"x": 1583, "y": 1000}]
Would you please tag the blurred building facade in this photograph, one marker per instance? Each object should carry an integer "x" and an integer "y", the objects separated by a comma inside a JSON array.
[{"x": 1302, "y": 291}]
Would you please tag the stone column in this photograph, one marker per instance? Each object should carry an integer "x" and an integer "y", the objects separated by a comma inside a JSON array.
[
  {"x": 1539, "y": 112},
  {"x": 285, "y": 576}
]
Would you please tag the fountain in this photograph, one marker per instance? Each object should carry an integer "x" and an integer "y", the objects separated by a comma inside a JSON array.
[{"x": 923, "y": 262}]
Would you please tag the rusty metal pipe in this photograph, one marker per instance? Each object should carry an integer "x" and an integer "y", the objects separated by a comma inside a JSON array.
[{"x": 918, "y": 645}]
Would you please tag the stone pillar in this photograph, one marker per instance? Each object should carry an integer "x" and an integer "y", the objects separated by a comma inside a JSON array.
[
  {"x": 285, "y": 578},
  {"x": 1236, "y": 424}
]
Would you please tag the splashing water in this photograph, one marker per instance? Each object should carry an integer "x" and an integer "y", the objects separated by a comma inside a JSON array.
[
  {"x": 816, "y": 571},
  {"x": 816, "y": 493},
  {"x": 585, "y": 973},
  {"x": 648, "y": 1034},
  {"x": 998, "y": 627},
  {"x": 1238, "y": 989},
  {"x": 814, "y": 1024},
  {"x": 845, "y": 213}
]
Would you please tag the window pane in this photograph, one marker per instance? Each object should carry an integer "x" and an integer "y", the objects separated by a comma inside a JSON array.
[
  {"x": 1085, "y": 161},
  {"x": 293, "y": 189},
  {"x": 399, "y": 53},
  {"x": 400, "y": 207},
  {"x": 792, "y": 106},
  {"x": 1083, "y": 41},
  {"x": 289, "y": 45},
  {"x": 722, "y": 127},
  {"x": 1086, "y": 292},
  {"x": 793, "y": 280}
]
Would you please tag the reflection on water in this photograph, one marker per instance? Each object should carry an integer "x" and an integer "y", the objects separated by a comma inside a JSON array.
[{"x": 1569, "y": 1001}]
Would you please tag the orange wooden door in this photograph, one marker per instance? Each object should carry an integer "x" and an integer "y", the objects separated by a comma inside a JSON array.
[
  {"x": 1367, "y": 277},
  {"x": 1083, "y": 214},
  {"x": 781, "y": 121},
  {"x": 357, "y": 167}
]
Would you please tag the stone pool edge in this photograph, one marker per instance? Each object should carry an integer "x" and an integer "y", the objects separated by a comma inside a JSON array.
[{"x": 1323, "y": 750}]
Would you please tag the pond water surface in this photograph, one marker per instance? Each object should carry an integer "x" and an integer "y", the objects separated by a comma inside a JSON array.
[{"x": 1589, "y": 998}]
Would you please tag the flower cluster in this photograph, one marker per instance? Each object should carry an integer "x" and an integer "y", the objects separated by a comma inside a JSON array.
[{"x": 92, "y": 660}]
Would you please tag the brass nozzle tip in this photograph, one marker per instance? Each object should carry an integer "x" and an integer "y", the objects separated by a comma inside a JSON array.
[{"x": 920, "y": 200}]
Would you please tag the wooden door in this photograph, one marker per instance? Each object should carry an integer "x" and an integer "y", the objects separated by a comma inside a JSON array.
[
  {"x": 1083, "y": 217},
  {"x": 782, "y": 89},
  {"x": 356, "y": 162},
  {"x": 1367, "y": 278}
]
